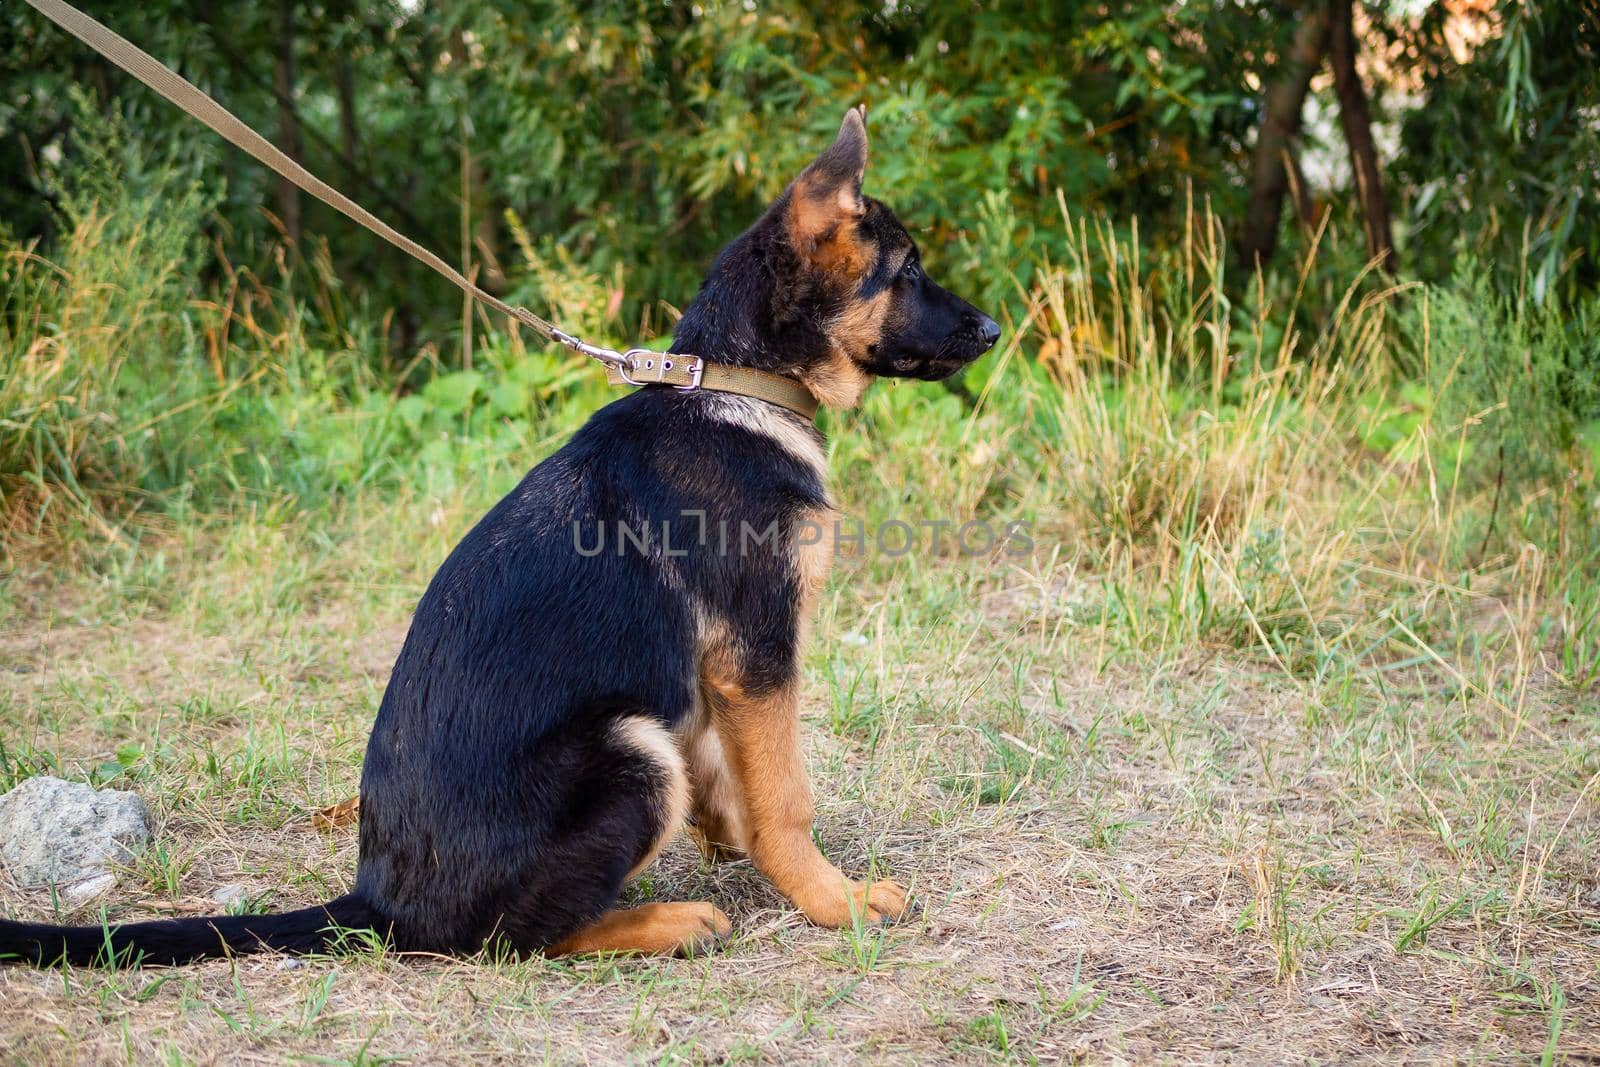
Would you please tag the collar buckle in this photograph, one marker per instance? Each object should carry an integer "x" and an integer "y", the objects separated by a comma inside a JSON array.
[
  {"x": 697, "y": 371},
  {"x": 642, "y": 366}
]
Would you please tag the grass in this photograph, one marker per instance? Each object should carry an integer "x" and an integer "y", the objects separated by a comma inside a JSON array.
[
  {"x": 1276, "y": 741},
  {"x": 1117, "y": 857}
]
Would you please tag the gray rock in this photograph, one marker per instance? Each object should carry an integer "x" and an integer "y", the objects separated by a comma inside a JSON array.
[
  {"x": 86, "y": 890},
  {"x": 230, "y": 896},
  {"x": 57, "y": 831}
]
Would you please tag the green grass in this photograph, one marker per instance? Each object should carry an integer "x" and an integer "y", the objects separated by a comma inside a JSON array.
[
  {"x": 1120, "y": 852},
  {"x": 1276, "y": 742}
]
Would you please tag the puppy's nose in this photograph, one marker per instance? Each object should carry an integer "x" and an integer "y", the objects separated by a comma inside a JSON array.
[{"x": 988, "y": 331}]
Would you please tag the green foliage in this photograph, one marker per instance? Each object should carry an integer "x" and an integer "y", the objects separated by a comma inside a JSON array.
[
  {"x": 640, "y": 136},
  {"x": 1500, "y": 159},
  {"x": 1525, "y": 376},
  {"x": 95, "y": 392},
  {"x": 463, "y": 421},
  {"x": 120, "y": 385},
  {"x": 633, "y": 137},
  {"x": 1150, "y": 400}
]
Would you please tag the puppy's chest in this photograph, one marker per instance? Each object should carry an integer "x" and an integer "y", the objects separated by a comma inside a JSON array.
[{"x": 791, "y": 568}]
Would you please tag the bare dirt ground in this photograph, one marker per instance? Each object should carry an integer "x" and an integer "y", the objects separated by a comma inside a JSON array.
[{"x": 1178, "y": 859}]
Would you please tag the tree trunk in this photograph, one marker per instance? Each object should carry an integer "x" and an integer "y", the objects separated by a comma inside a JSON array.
[
  {"x": 344, "y": 86},
  {"x": 1280, "y": 121},
  {"x": 288, "y": 122},
  {"x": 1356, "y": 118},
  {"x": 477, "y": 208}
]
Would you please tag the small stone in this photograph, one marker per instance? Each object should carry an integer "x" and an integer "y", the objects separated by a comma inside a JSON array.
[
  {"x": 231, "y": 896},
  {"x": 292, "y": 963},
  {"x": 88, "y": 888},
  {"x": 55, "y": 831}
]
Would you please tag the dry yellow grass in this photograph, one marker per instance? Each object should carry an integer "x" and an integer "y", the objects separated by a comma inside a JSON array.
[{"x": 1184, "y": 856}]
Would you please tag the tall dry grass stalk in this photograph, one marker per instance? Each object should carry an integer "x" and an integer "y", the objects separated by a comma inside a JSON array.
[
  {"x": 1217, "y": 459},
  {"x": 113, "y": 367},
  {"x": 67, "y": 333}
]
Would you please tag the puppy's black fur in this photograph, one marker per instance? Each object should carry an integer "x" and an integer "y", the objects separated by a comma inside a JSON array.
[{"x": 526, "y": 757}]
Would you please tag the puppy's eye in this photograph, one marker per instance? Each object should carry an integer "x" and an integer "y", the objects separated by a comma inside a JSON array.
[{"x": 911, "y": 271}]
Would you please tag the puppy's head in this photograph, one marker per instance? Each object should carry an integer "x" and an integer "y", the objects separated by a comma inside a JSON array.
[
  {"x": 879, "y": 312},
  {"x": 828, "y": 288}
]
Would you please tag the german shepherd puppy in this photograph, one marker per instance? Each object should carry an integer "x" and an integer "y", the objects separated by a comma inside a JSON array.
[{"x": 557, "y": 712}]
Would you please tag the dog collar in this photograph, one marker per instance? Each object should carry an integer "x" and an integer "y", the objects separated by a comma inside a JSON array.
[{"x": 640, "y": 366}]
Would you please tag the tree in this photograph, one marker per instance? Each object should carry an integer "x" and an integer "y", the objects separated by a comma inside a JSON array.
[
  {"x": 1356, "y": 119},
  {"x": 633, "y": 138},
  {"x": 1326, "y": 30},
  {"x": 283, "y": 87},
  {"x": 1500, "y": 163},
  {"x": 1280, "y": 121}
]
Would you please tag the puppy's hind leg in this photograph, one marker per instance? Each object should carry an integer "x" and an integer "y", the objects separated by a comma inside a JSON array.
[
  {"x": 716, "y": 810},
  {"x": 644, "y": 758},
  {"x": 654, "y": 929}
]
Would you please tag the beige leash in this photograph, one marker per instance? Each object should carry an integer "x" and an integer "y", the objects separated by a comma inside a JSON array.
[{"x": 636, "y": 366}]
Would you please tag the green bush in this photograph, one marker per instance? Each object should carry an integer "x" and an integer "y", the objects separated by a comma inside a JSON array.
[
  {"x": 98, "y": 386},
  {"x": 1521, "y": 378}
]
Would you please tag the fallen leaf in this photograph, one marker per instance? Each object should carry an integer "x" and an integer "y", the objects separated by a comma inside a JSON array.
[{"x": 341, "y": 814}]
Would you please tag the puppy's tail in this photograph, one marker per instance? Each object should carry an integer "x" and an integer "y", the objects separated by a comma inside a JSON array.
[{"x": 173, "y": 941}]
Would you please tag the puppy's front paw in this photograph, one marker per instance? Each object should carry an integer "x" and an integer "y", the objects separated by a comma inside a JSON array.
[
  {"x": 874, "y": 904},
  {"x": 886, "y": 902}
]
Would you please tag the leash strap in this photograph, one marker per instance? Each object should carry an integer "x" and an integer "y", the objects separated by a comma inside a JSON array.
[{"x": 621, "y": 368}]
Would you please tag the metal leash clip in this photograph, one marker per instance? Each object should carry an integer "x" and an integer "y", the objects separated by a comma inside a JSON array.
[
  {"x": 641, "y": 366},
  {"x": 608, "y": 356}
]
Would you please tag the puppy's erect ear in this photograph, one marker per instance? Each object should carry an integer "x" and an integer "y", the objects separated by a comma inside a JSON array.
[{"x": 827, "y": 195}]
